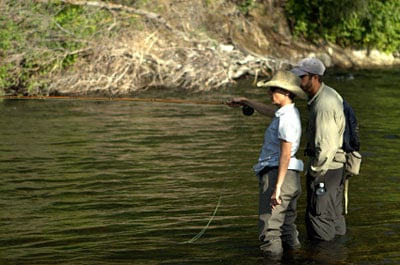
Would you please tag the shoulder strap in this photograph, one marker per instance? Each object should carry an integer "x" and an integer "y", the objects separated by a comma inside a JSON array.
[{"x": 351, "y": 141}]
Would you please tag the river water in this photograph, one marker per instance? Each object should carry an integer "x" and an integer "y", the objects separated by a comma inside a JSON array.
[{"x": 113, "y": 182}]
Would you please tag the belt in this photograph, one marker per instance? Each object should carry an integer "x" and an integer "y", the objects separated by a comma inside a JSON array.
[{"x": 265, "y": 170}]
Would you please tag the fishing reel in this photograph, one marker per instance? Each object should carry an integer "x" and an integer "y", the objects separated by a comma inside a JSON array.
[{"x": 247, "y": 110}]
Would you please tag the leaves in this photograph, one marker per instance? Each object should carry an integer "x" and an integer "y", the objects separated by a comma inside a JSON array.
[{"x": 354, "y": 23}]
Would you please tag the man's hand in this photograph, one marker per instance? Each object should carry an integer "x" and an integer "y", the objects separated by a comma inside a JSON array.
[{"x": 237, "y": 102}]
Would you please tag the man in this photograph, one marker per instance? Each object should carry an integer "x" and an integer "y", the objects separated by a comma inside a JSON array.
[
  {"x": 324, "y": 134},
  {"x": 278, "y": 169}
]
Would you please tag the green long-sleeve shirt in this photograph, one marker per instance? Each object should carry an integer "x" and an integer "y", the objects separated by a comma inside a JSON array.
[{"x": 324, "y": 132}]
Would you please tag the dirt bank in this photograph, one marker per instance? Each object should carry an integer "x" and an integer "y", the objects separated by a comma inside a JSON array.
[{"x": 194, "y": 45}]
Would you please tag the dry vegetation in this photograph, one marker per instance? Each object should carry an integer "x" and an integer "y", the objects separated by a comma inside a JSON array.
[
  {"x": 189, "y": 47},
  {"x": 195, "y": 44}
]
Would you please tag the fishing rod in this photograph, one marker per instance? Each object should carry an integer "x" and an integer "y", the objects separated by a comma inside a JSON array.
[
  {"x": 247, "y": 110},
  {"x": 84, "y": 98}
]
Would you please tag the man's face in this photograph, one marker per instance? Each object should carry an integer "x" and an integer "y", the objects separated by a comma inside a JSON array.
[{"x": 306, "y": 83}]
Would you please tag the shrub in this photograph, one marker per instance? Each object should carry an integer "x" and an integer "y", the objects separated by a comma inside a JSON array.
[{"x": 350, "y": 23}]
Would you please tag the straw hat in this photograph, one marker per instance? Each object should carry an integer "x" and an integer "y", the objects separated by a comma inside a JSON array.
[{"x": 285, "y": 80}]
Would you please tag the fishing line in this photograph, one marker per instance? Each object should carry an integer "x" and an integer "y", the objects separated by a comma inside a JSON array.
[
  {"x": 201, "y": 233},
  {"x": 245, "y": 109}
]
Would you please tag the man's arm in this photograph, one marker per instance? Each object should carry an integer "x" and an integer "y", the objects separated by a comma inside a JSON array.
[
  {"x": 267, "y": 110},
  {"x": 327, "y": 142},
  {"x": 284, "y": 160}
]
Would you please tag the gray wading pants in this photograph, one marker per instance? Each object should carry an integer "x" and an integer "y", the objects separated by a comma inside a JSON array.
[
  {"x": 279, "y": 224},
  {"x": 324, "y": 214}
]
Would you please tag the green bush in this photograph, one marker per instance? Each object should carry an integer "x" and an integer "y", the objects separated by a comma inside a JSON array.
[
  {"x": 364, "y": 24},
  {"x": 44, "y": 38}
]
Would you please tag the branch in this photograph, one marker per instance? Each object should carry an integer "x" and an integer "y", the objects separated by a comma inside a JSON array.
[{"x": 150, "y": 15}]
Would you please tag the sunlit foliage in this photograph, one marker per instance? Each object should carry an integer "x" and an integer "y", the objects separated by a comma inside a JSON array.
[{"x": 364, "y": 24}]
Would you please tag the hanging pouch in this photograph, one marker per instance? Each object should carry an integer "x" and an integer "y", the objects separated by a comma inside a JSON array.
[{"x": 353, "y": 163}]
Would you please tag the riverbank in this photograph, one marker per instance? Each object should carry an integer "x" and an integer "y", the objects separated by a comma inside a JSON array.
[{"x": 196, "y": 46}]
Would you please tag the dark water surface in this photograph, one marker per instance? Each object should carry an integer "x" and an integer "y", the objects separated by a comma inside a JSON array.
[{"x": 156, "y": 183}]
